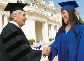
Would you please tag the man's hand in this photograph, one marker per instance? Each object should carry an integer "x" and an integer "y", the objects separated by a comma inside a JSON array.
[{"x": 46, "y": 51}]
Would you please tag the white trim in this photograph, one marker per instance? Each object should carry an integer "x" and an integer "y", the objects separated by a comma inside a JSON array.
[{"x": 14, "y": 23}]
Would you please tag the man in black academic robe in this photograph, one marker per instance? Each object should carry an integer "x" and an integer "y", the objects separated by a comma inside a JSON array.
[{"x": 15, "y": 46}]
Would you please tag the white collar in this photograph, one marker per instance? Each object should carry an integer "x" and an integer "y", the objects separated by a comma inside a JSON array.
[{"x": 14, "y": 23}]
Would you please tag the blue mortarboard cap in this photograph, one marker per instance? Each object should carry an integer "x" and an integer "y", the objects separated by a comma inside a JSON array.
[
  {"x": 14, "y": 6},
  {"x": 68, "y": 5}
]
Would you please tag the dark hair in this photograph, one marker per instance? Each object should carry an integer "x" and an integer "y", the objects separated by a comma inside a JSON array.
[{"x": 73, "y": 19}]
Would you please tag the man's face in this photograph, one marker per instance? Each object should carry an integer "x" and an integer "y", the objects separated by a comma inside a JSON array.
[{"x": 21, "y": 18}]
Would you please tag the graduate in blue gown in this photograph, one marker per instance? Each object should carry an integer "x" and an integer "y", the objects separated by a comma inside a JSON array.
[{"x": 69, "y": 40}]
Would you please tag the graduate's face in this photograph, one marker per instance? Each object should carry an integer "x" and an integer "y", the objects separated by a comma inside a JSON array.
[
  {"x": 65, "y": 16},
  {"x": 21, "y": 18}
]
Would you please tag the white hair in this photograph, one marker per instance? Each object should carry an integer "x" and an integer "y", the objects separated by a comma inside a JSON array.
[{"x": 18, "y": 12}]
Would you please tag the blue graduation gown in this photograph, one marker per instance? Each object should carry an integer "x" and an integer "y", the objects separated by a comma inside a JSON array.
[{"x": 68, "y": 46}]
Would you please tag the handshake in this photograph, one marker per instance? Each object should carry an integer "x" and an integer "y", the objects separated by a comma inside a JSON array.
[{"x": 46, "y": 51}]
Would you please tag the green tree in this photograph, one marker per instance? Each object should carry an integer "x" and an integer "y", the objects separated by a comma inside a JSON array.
[{"x": 81, "y": 20}]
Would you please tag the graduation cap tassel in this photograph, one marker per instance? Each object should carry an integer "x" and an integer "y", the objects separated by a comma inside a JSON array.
[{"x": 40, "y": 46}]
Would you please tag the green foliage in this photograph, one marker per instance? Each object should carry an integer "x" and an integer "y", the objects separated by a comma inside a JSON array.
[
  {"x": 51, "y": 39},
  {"x": 81, "y": 20},
  {"x": 31, "y": 41}
]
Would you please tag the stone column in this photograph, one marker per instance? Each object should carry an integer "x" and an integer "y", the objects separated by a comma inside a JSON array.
[
  {"x": 55, "y": 30},
  {"x": 58, "y": 27},
  {"x": 49, "y": 31},
  {"x": 0, "y": 23},
  {"x": 29, "y": 29},
  {"x": 45, "y": 32},
  {"x": 52, "y": 31},
  {"x": 32, "y": 29},
  {"x": 5, "y": 20}
]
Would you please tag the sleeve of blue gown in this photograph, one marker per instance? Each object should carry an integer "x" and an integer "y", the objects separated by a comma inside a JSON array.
[
  {"x": 80, "y": 54},
  {"x": 53, "y": 48}
]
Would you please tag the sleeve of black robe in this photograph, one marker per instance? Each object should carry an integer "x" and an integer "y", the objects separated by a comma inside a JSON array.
[{"x": 16, "y": 47}]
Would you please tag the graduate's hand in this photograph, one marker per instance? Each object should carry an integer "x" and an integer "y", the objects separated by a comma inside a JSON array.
[
  {"x": 55, "y": 58},
  {"x": 46, "y": 51}
]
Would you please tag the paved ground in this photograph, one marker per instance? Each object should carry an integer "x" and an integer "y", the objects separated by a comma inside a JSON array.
[{"x": 46, "y": 59}]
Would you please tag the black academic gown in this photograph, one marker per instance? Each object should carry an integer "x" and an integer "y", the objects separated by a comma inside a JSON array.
[{"x": 15, "y": 46}]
